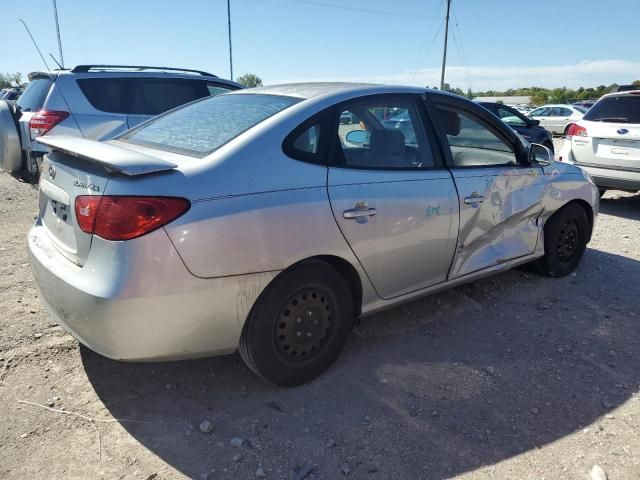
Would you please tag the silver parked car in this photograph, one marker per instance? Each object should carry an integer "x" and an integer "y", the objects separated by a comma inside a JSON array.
[
  {"x": 257, "y": 221},
  {"x": 557, "y": 118},
  {"x": 93, "y": 101}
]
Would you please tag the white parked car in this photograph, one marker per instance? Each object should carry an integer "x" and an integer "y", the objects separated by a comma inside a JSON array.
[
  {"x": 606, "y": 142},
  {"x": 557, "y": 118}
]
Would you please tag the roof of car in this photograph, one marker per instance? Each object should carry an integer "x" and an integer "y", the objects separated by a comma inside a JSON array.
[
  {"x": 626, "y": 93},
  {"x": 315, "y": 89},
  {"x": 565, "y": 105}
]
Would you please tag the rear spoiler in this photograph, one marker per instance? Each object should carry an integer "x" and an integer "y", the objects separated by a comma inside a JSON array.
[{"x": 112, "y": 158}]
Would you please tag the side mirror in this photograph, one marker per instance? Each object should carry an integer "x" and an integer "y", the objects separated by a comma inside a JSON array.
[
  {"x": 540, "y": 154},
  {"x": 359, "y": 137},
  {"x": 533, "y": 122}
]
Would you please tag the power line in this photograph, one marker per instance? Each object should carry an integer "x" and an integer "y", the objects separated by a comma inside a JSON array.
[
  {"x": 423, "y": 44},
  {"x": 427, "y": 51},
  {"x": 465, "y": 63},
  {"x": 357, "y": 9}
]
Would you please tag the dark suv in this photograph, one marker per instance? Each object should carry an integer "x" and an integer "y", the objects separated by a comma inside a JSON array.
[{"x": 529, "y": 128}]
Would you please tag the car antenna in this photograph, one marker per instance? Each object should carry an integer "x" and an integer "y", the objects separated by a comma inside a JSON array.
[
  {"x": 57, "y": 63},
  {"x": 36, "y": 45}
]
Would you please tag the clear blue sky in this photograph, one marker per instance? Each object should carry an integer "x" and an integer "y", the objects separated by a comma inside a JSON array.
[{"x": 498, "y": 43}]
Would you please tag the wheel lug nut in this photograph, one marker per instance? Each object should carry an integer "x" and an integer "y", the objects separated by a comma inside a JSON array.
[
  {"x": 299, "y": 320},
  {"x": 308, "y": 334},
  {"x": 298, "y": 334}
]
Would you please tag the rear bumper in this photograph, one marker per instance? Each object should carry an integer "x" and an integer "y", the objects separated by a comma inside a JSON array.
[
  {"x": 136, "y": 301},
  {"x": 614, "y": 179}
]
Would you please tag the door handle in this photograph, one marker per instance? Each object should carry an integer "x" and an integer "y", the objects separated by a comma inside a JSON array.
[
  {"x": 369, "y": 212},
  {"x": 360, "y": 211},
  {"x": 473, "y": 198}
]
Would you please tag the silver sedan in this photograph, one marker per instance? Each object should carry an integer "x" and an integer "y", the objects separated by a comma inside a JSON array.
[{"x": 259, "y": 221}]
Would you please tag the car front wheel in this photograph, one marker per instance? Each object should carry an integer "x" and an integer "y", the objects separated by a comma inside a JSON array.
[
  {"x": 565, "y": 239},
  {"x": 299, "y": 325}
]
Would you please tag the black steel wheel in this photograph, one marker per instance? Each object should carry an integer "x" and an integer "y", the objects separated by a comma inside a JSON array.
[
  {"x": 566, "y": 235},
  {"x": 304, "y": 324},
  {"x": 299, "y": 325}
]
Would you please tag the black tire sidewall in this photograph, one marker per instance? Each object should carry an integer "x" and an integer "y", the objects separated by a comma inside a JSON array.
[
  {"x": 258, "y": 343},
  {"x": 554, "y": 266}
]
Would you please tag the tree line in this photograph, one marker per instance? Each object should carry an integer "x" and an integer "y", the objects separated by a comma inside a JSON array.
[
  {"x": 540, "y": 96},
  {"x": 9, "y": 80}
]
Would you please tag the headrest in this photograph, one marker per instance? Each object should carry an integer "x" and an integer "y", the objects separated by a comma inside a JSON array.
[
  {"x": 387, "y": 142},
  {"x": 450, "y": 121}
]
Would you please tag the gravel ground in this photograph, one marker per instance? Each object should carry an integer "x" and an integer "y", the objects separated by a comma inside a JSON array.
[{"x": 515, "y": 376}]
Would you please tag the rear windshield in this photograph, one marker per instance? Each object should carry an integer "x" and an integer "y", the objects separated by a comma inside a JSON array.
[
  {"x": 34, "y": 95},
  {"x": 202, "y": 127},
  {"x": 146, "y": 95},
  {"x": 623, "y": 109}
]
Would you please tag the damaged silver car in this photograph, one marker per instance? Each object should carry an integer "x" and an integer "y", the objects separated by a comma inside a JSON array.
[{"x": 259, "y": 221}]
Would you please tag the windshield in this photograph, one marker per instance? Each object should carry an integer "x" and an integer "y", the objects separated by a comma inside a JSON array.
[
  {"x": 199, "y": 128},
  {"x": 35, "y": 94},
  {"x": 622, "y": 109}
]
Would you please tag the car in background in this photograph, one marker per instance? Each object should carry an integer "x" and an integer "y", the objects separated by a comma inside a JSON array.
[
  {"x": 587, "y": 104},
  {"x": 240, "y": 222},
  {"x": 529, "y": 128},
  {"x": 96, "y": 102},
  {"x": 557, "y": 118},
  {"x": 11, "y": 93},
  {"x": 346, "y": 118},
  {"x": 606, "y": 142},
  {"x": 401, "y": 121}
]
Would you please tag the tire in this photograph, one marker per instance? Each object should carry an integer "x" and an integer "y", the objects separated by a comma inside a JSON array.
[
  {"x": 602, "y": 191},
  {"x": 299, "y": 325},
  {"x": 565, "y": 239}
]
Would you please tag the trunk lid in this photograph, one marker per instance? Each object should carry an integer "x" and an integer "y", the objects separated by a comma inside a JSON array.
[
  {"x": 77, "y": 166},
  {"x": 608, "y": 145}
]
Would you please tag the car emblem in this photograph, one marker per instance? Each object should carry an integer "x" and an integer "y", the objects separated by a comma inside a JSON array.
[
  {"x": 52, "y": 172},
  {"x": 623, "y": 131}
]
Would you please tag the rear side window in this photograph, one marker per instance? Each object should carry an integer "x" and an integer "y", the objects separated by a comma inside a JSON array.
[
  {"x": 153, "y": 96},
  {"x": 35, "y": 94},
  {"x": 623, "y": 109},
  {"x": 202, "y": 127},
  {"x": 105, "y": 94},
  {"x": 145, "y": 96}
]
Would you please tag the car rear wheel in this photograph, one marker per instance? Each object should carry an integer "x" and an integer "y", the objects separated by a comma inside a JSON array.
[
  {"x": 299, "y": 325},
  {"x": 565, "y": 240}
]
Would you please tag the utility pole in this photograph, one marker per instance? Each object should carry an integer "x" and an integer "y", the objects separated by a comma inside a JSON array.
[
  {"x": 230, "y": 50},
  {"x": 55, "y": 14},
  {"x": 446, "y": 38}
]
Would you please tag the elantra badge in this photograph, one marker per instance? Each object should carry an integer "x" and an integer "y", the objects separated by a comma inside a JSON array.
[{"x": 623, "y": 131}]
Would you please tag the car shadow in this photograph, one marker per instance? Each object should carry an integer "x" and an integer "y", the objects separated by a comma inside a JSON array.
[
  {"x": 435, "y": 388},
  {"x": 625, "y": 205}
]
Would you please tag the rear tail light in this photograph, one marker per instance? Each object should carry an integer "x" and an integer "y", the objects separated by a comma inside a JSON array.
[
  {"x": 124, "y": 218},
  {"x": 45, "y": 120},
  {"x": 576, "y": 130}
]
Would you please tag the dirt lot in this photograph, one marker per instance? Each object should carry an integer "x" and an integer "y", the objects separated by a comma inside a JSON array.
[{"x": 516, "y": 376}]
